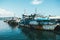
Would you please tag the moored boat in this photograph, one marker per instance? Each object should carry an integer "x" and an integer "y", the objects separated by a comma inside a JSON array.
[
  {"x": 41, "y": 23},
  {"x": 12, "y": 22}
]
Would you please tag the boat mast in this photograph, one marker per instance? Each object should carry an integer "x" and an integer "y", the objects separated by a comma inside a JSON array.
[
  {"x": 24, "y": 13},
  {"x": 14, "y": 15},
  {"x": 35, "y": 10}
]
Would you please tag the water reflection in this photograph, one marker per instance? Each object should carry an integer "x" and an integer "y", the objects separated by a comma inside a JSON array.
[
  {"x": 38, "y": 35},
  {"x": 21, "y": 33},
  {"x": 9, "y": 33}
]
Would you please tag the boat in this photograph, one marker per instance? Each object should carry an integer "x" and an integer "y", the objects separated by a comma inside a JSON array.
[
  {"x": 13, "y": 21},
  {"x": 38, "y": 22},
  {"x": 5, "y": 20}
]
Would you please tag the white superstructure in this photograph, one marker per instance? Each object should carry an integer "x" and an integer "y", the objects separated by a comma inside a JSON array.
[{"x": 54, "y": 17}]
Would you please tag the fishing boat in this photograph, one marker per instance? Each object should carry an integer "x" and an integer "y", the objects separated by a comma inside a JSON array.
[
  {"x": 5, "y": 20},
  {"x": 41, "y": 23},
  {"x": 14, "y": 21}
]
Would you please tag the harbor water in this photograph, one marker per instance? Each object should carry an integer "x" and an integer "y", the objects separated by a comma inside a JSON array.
[{"x": 8, "y": 32}]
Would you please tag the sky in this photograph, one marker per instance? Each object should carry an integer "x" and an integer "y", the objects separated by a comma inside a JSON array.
[{"x": 18, "y": 7}]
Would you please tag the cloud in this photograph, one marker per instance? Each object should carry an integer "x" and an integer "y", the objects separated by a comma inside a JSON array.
[
  {"x": 36, "y": 2},
  {"x": 5, "y": 13}
]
